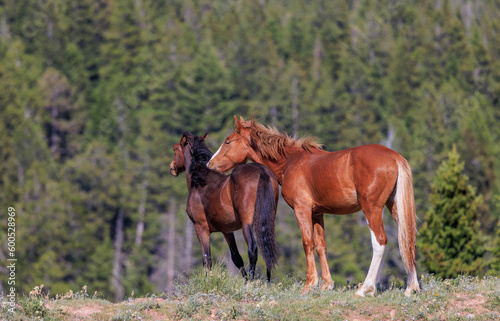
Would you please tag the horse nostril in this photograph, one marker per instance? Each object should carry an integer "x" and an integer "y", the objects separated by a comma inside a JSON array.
[{"x": 208, "y": 164}]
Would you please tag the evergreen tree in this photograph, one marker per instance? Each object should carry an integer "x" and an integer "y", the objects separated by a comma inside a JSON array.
[
  {"x": 451, "y": 242},
  {"x": 64, "y": 118},
  {"x": 479, "y": 152},
  {"x": 94, "y": 93}
]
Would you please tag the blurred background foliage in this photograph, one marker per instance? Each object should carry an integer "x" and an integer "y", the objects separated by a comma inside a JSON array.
[{"x": 95, "y": 93}]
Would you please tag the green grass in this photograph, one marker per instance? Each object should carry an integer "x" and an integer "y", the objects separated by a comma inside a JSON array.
[{"x": 218, "y": 295}]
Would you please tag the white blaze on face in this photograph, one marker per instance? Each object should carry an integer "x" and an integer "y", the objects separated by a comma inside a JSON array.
[{"x": 217, "y": 152}]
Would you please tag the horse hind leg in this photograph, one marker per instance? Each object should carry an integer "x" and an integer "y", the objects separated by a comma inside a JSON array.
[
  {"x": 412, "y": 281},
  {"x": 249, "y": 236},
  {"x": 320, "y": 245},
  {"x": 235, "y": 254},
  {"x": 379, "y": 241}
]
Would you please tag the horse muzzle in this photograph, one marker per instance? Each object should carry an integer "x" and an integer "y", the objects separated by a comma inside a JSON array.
[
  {"x": 212, "y": 167},
  {"x": 173, "y": 170}
]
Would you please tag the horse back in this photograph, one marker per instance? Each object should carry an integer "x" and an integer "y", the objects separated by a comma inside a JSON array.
[
  {"x": 246, "y": 177},
  {"x": 334, "y": 181}
]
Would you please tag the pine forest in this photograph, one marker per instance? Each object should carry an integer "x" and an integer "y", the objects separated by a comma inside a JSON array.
[{"x": 95, "y": 93}]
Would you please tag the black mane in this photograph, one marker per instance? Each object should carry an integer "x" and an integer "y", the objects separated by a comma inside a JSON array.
[{"x": 201, "y": 155}]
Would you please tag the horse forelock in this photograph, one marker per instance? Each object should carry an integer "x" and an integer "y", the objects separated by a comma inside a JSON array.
[{"x": 272, "y": 144}]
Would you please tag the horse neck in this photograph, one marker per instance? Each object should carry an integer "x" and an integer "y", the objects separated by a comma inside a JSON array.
[
  {"x": 277, "y": 167},
  {"x": 187, "y": 164}
]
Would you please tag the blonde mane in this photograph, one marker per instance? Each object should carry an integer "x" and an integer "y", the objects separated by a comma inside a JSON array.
[{"x": 272, "y": 142}]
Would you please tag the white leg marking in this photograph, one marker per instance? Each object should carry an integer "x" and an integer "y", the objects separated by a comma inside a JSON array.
[
  {"x": 412, "y": 282},
  {"x": 371, "y": 277}
]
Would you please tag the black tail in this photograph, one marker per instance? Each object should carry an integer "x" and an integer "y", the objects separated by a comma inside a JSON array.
[{"x": 263, "y": 222}]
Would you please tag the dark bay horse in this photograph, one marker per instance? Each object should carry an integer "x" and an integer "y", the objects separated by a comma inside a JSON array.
[
  {"x": 246, "y": 199},
  {"x": 315, "y": 182}
]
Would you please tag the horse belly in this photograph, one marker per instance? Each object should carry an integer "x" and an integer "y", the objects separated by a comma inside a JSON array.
[
  {"x": 225, "y": 227},
  {"x": 336, "y": 201},
  {"x": 223, "y": 221}
]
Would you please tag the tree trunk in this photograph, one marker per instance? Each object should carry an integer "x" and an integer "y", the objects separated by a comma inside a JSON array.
[
  {"x": 121, "y": 114},
  {"x": 188, "y": 257},
  {"x": 50, "y": 30},
  {"x": 274, "y": 116},
  {"x": 295, "y": 106},
  {"x": 142, "y": 201},
  {"x": 3, "y": 269},
  {"x": 55, "y": 138},
  {"x": 171, "y": 244},
  {"x": 116, "y": 281},
  {"x": 158, "y": 276},
  {"x": 316, "y": 58},
  {"x": 391, "y": 134},
  {"x": 141, "y": 14},
  {"x": 4, "y": 29}
]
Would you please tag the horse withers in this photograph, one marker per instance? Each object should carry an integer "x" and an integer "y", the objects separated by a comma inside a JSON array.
[
  {"x": 246, "y": 199},
  {"x": 314, "y": 181}
]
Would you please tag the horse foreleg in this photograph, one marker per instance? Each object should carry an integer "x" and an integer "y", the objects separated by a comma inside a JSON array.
[
  {"x": 203, "y": 233},
  {"x": 379, "y": 240},
  {"x": 304, "y": 218},
  {"x": 252, "y": 247},
  {"x": 320, "y": 245},
  {"x": 235, "y": 254}
]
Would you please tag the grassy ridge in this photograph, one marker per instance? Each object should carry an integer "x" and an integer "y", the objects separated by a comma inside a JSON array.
[{"x": 217, "y": 295}]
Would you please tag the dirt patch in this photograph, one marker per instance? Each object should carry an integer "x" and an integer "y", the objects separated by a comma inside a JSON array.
[
  {"x": 469, "y": 305},
  {"x": 155, "y": 300},
  {"x": 461, "y": 305},
  {"x": 79, "y": 312}
]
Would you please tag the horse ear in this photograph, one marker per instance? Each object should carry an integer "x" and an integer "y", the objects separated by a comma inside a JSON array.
[
  {"x": 204, "y": 137},
  {"x": 239, "y": 126},
  {"x": 186, "y": 138}
]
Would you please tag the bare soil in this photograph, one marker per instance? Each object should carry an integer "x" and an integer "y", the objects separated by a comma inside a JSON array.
[{"x": 462, "y": 306}]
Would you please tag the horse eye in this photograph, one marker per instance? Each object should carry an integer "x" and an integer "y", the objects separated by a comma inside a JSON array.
[{"x": 227, "y": 142}]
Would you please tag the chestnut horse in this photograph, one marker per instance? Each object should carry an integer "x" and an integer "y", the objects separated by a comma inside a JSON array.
[
  {"x": 315, "y": 182},
  {"x": 246, "y": 199}
]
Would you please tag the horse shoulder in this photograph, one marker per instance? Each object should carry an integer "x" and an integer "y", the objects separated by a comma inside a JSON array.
[
  {"x": 195, "y": 209},
  {"x": 217, "y": 198},
  {"x": 295, "y": 188}
]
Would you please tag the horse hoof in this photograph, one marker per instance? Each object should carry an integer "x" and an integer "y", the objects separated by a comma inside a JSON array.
[
  {"x": 327, "y": 286},
  {"x": 409, "y": 292},
  {"x": 359, "y": 294},
  {"x": 305, "y": 290},
  {"x": 363, "y": 292}
]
